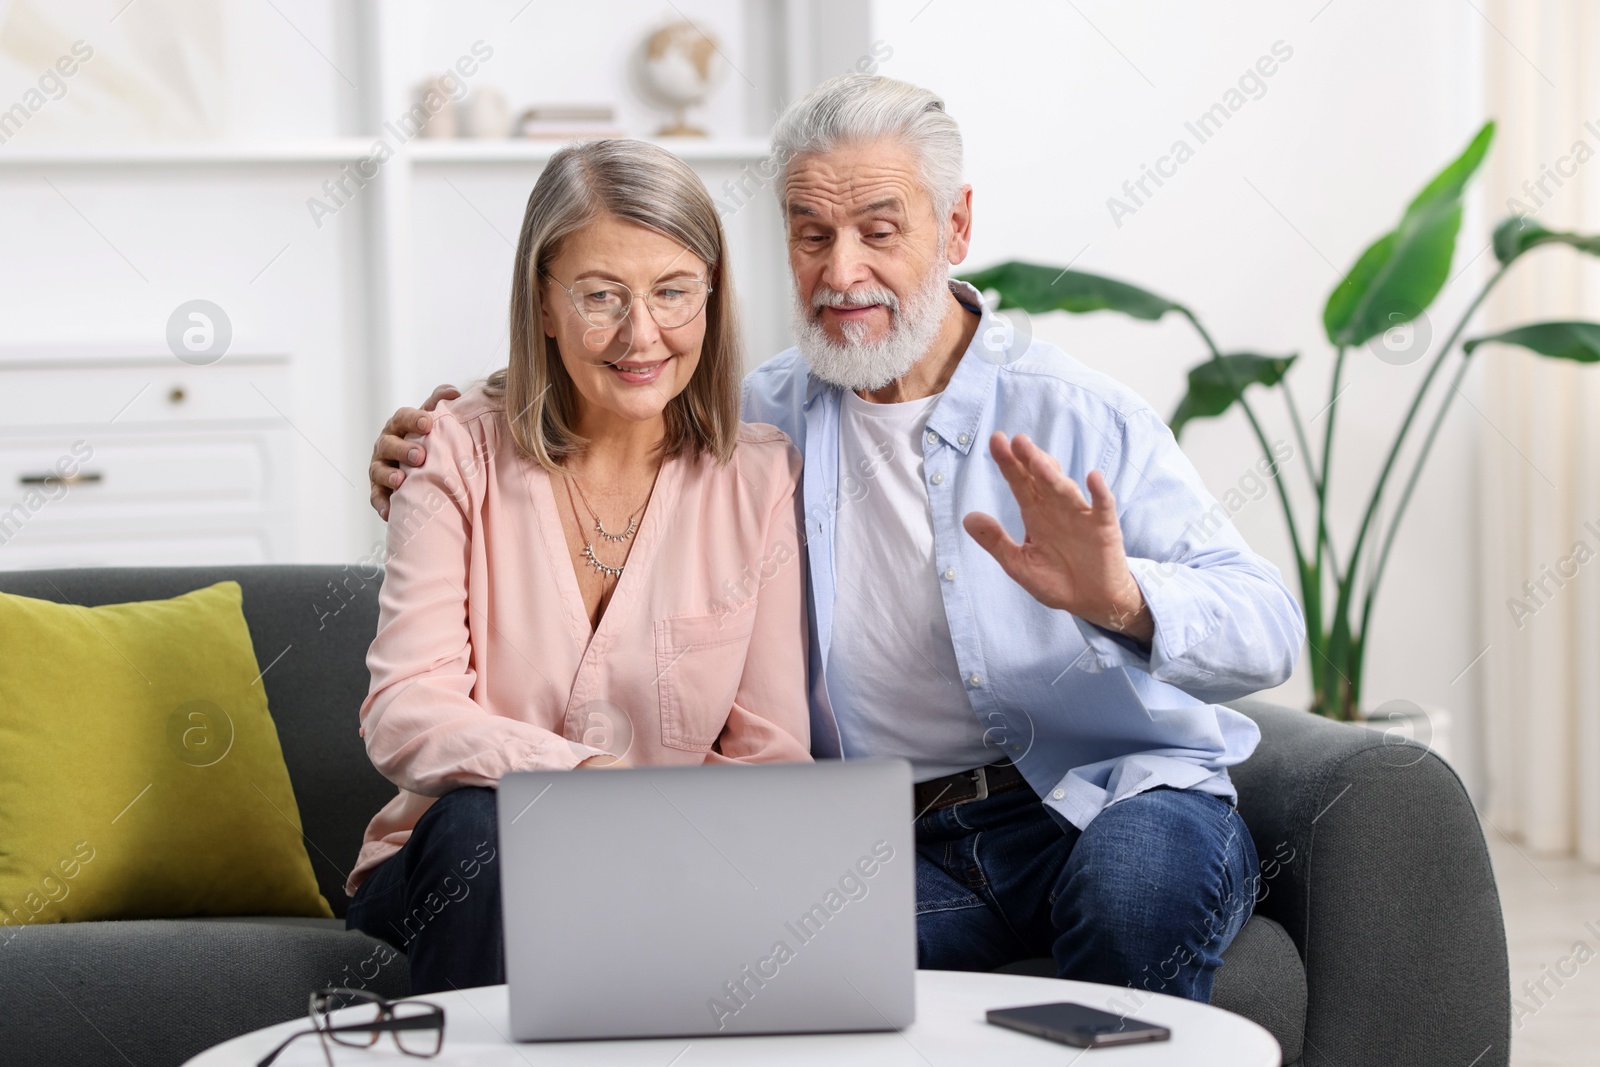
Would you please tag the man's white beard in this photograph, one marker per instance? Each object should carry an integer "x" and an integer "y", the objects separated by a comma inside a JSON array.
[{"x": 866, "y": 365}]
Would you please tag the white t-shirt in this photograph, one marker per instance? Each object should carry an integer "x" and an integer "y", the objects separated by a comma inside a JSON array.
[{"x": 893, "y": 680}]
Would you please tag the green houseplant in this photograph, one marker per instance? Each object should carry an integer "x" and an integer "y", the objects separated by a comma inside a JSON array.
[{"x": 1391, "y": 284}]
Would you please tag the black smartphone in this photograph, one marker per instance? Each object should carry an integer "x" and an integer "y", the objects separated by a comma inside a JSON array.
[{"x": 1077, "y": 1025}]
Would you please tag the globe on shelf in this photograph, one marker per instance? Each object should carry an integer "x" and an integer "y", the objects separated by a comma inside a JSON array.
[{"x": 678, "y": 67}]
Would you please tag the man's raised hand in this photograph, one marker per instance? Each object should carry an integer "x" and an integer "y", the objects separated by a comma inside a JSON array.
[{"x": 1071, "y": 556}]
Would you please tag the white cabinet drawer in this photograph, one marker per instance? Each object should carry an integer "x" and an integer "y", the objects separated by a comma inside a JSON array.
[
  {"x": 165, "y": 392},
  {"x": 145, "y": 462},
  {"x": 213, "y": 472}
]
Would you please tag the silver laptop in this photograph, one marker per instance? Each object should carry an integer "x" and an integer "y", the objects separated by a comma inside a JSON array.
[{"x": 684, "y": 901}]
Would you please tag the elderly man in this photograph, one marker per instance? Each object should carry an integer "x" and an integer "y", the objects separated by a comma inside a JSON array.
[{"x": 1057, "y": 698}]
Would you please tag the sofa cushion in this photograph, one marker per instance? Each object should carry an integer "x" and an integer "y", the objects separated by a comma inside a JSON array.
[
  {"x": 157, "y": 991},
  {"x": 140, "y": 771},
  {"x": 311, "y": 626}
]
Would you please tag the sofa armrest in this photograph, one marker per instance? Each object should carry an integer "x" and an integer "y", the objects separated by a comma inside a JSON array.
[{"x": 1373, "y": 859}]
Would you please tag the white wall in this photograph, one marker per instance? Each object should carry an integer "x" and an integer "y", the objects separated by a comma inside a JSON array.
[{"x": 1061, "y": 103}]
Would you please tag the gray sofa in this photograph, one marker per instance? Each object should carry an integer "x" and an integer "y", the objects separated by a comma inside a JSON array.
[{"x": 1377, "y": 939}]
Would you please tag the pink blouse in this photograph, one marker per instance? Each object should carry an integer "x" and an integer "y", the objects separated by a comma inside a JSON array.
[{"x": 485, "y": 661}]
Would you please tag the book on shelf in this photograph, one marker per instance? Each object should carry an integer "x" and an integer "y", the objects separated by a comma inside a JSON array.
[{"x": 568, "y": 122}]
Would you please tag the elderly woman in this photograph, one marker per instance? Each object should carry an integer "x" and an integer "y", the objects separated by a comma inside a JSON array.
[{"x": 595, "y": 566}]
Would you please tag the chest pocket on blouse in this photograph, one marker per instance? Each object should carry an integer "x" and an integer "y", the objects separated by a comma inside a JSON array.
[{"x": 699, "y": 661}]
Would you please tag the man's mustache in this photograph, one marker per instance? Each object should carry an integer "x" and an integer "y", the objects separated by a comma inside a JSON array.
[{"x": 854, "y": 298}]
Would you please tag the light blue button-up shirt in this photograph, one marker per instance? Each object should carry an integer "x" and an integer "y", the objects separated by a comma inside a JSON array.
[{"x": 1088, "y": 716}]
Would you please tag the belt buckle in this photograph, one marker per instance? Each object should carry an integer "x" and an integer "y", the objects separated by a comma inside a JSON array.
[{"x": 980, "y": 778}]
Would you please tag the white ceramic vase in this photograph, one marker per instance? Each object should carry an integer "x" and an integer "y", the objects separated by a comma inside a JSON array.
[{"x": 1407, "y": 720}]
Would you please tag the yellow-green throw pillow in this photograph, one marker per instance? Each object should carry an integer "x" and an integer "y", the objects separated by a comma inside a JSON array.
[{"x": 140, "y": 773}]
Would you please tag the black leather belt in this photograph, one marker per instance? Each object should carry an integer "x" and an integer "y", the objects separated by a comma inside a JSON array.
[{"x": 963, "y": 786}]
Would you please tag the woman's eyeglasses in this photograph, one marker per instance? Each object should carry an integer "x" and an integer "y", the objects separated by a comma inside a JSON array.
[
  {"x": 605, "y": 305},
  {"x": 416, "y": 1026}
]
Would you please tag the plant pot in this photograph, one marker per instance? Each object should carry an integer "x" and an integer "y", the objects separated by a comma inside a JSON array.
[{"x": 1405, "y": 720}]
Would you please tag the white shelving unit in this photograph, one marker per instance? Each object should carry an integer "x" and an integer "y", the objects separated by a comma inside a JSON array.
[{"x": 198, "y": 153}]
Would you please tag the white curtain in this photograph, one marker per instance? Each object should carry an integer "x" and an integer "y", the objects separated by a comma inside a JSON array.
[{"x": 1540, "y": 450}]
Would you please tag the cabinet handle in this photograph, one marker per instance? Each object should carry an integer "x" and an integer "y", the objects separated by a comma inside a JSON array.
[{"x": 81, "y": 478}]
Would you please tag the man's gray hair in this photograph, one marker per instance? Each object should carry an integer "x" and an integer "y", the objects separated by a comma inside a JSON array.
[{"x": 860, "y": 108}]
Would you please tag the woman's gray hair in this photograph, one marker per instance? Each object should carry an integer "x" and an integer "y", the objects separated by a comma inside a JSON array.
[{"x": 859, "y": 108}]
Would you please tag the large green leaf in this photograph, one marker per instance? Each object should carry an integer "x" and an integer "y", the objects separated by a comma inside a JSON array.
[
  {"x": 1401, "y": 272},
  {"x": 1579, "y": 341},
  {"x": 1035, "y": 288},
  {"x": 1214, "y": 386},
  {"x": 1518, "y": 233}
]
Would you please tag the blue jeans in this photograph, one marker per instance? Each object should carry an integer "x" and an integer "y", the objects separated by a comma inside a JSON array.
[
  {"x": 438, "y": 898},
  {"x": 1148, "y": 896}
]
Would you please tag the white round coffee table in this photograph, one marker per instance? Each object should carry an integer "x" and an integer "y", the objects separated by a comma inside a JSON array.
[{"x": 950, "y": 1030}]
